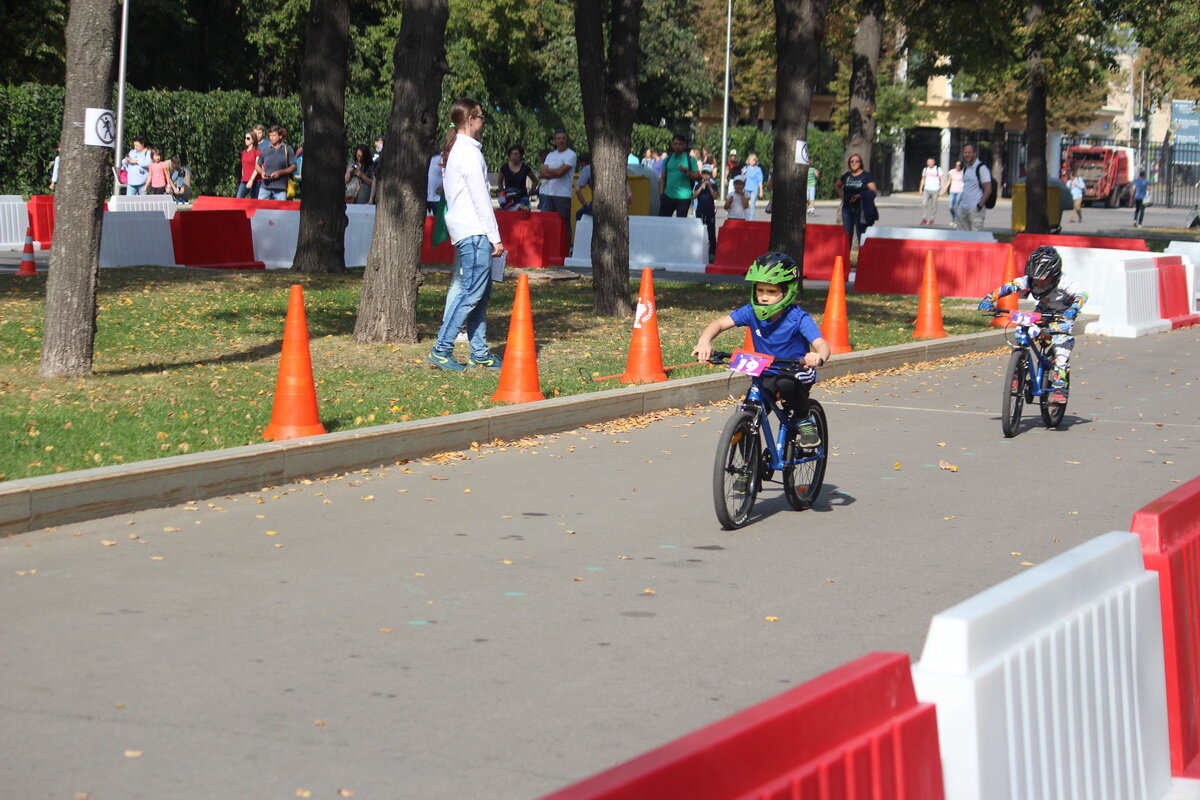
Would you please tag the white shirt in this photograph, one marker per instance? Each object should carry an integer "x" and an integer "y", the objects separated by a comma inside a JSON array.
[
  {"x": 736, "y": 210},
  {"x": 933, "y": 178},
  {"x": 433, "y": 187},
  {"x": 561, "y": 186},
  {"x": 468, "y": 201}
]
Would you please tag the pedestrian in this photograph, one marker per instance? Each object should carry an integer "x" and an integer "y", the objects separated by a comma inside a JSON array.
[
  {"x": 754, "y": 181},
  {"x": 471, "y": 223},
  {"x": 54, "y": 169},
  {"x": 434, "y": 176},
  {"x": 360, "y": 177},
  {"x": 247, "y": 186},
  {"x": 517, "y": 177},
  {"x": 159, "y": 177},
  {"x": 977, "y": 188},
  {"x": 680, "y": 172},
  {"x": 584, "y": 181},
  {"x": 137, "y": 166},
  {"x": 1141, "y": 187},
  {"x": 954, "y": 187},
  {"x": 180, "y": 184},
  {"x": 275, "y": 164},
  {"x": 705, "y": 194},
  {"x": 1077, "y": 185},
  {"x": 931, "y": 186},
  {"x": 858, "y": 189},
  {"x": 738, "y": 201},
  {"x": 557, "y": 174},
  {"x": 810, "y": 185}
]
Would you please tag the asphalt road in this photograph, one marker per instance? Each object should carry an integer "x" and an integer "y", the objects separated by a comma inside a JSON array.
[{"x": 500, "y": 624}]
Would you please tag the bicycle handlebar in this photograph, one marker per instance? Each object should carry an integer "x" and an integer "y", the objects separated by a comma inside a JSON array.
[
  {"x": 1047, "y": 317},
  {"x": 722, "y": 357}
]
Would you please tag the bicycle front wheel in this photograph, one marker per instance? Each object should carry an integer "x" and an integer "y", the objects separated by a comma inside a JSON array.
[
  {"x": 735, "y": 472},
  {"x": 1014, "y": 392},
  {"x": 802, "y": 482}
]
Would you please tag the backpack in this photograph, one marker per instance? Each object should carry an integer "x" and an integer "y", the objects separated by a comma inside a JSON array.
[{"x": 991, "y": 201}]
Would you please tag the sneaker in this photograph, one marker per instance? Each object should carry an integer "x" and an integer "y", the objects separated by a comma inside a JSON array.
[
  {"x": 807, "y": 433},
  {"x": 444, "y": 361},
  {"x": 489, "y": 361}
]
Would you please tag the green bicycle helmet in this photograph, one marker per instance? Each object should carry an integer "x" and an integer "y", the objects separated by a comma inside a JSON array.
[{"x": 777, "y": 268}]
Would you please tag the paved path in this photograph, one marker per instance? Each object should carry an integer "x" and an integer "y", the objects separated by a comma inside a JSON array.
[{"x": 497, "y": 626}]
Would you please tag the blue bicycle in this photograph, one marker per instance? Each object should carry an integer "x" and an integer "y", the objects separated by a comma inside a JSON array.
[
  {"x": 1030, "y": 367},
  {"x": 750, "y": 453}
]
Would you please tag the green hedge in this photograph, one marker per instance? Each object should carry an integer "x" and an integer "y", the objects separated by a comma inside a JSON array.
[{"x": 205, "y": 131}]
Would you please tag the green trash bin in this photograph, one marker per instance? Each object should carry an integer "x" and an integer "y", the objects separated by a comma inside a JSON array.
[{"x": 1053, "y": 207}]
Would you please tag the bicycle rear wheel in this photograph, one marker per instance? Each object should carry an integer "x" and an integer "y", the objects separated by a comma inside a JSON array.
[
  {"x": 802, "y": 482},
  {"x": 1014, "y": 392},
  {"x": 735, "y": 471},
  {"x": 1052, "y": 413}
]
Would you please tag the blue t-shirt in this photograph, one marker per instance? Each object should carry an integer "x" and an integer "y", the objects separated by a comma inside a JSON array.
[
  {"x": 791, "y": 336},
  {"x": 1140, "y": 185}
]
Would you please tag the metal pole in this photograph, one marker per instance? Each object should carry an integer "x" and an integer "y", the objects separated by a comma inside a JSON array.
[
  {"x": 118, "y": 145},
  {"x": 725, "y": 107}
]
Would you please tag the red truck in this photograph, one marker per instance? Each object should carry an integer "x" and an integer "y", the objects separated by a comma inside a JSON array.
[{"x": 1108, "y": 172}]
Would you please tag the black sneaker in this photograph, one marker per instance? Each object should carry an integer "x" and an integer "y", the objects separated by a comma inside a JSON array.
[{"x": 807, "y": 434}]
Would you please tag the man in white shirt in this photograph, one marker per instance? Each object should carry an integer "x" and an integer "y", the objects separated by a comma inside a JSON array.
[
  {"x": 471, "y": 223},
  {"x": 977, "y": 187},
  {"x": 557, "y": 173},
  {"x": 433, "y": 181},
  {"x": 931, "y": 186}
]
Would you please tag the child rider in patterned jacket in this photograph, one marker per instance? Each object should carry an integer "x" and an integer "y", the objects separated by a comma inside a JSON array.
[{"x": 1043, "y": 281}]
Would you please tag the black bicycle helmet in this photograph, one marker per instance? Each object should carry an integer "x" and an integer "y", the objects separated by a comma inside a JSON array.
[{"x": 1044, "y": 262}]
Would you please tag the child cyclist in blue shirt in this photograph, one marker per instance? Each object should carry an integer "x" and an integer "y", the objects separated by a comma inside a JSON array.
[
  {"x": 1043, "y": 281},
  {"x": 778, "y": 328}
]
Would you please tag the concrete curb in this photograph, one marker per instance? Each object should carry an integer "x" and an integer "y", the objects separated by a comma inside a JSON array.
[{"x": 32, "y": 503}]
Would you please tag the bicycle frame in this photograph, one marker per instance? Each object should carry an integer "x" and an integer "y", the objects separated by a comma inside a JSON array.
[
  {"x": 765, "y": 408},
  {"x": 1041, "y": 363}
]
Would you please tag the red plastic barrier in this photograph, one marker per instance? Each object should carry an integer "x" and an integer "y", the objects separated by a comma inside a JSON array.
[
  {"x": 533, "y": 239},
  {"x": 41, "y": 219},
  {"x": 1170, "y": 531},
  {"x": 895, "y": 266},
  {"x": 244, "y": 204},
  {"x": 855, "y": 732},
  {"x": 1173, "y": 299},
  {"x": 442, "y": 254},
  {"x": 1026, "y": 243},
  {"x": 213, "y": 240},
  {"x": 740, "y": 241}
]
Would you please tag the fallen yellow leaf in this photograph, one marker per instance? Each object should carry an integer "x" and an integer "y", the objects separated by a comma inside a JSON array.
[
  {"x": 133, "y": 753},
  {"x": 108, "y": 542},
  {"x": 771, "y": 619}
]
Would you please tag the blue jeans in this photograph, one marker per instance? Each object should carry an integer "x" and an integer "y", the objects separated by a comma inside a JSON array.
[
  {"x": 272, "y": 194},
  {"x": 243, "y": 190},
  {"x": 467, "y": 298},
  {"x": 133, "y": 189}
]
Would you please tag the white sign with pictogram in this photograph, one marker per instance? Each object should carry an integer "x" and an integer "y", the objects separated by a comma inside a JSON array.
[
  {"x": 801, "y": 151},
  {"x": 99, "y": 127}
]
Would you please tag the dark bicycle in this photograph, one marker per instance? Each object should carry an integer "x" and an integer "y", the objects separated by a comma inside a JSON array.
[
  {"x": 1030, "y": 367},
  {"x": 750, "y": 452}
]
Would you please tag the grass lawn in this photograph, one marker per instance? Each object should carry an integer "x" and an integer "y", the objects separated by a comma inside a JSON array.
[{"x": 186, "y": 359}]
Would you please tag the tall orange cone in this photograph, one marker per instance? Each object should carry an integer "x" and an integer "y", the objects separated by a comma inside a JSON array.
[
  {"x": 645, "y": 364},
  {"x": 295, "y": 411},
  {"x": 1008, "y": 302},
  {"x": 748, "y": 342},
  {"x": 929, "y": 304},
  {"x": 28, "y": 267},
  {"x": 519, "y": 370},
  {"x": 834, "y": 326}
]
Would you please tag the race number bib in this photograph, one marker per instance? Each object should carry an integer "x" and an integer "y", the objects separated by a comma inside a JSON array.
[
  {"x": 749, "y": 363},
  {"x": 1025, "y": 317}
]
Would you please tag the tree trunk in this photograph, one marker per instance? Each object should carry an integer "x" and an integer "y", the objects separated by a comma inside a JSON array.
[
  {"x": 1036, "y": 217},
  {"x": 868, "y": 39},
  {"x": 70, "y": 330},
  {"x": 387, "y": 309},
  {"x": 609, "y": 88},
  {"x": 321, "y": 244},
  {"x": 799, "y": 32}
]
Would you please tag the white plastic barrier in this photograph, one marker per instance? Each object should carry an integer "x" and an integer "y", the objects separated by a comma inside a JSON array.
[
  {"x": 1051, "y": 684},
  {"x": 358, "y": 234},
  {"x": 1088, "y": 267},
  {"x": 928, "y": 234},
  {"x": 1130, "y": 307},
  {"x": 1190, "y": 251},
  {"x": 136, "y": 238},
  {"x": 275, "y": 233},
  {"x": 162, "y": 203},
  {"x": 659, "y": 242},
  {"x": 14, "y": 221}
]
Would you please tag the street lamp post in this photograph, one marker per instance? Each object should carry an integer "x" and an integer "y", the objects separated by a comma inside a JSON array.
[
  {"x": 119, "y": 141},
  {"x": 725, "y": 107}
]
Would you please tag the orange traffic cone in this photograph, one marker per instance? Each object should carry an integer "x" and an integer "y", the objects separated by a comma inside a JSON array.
[
  {"x": 833, "y": 325},
  {"x": 295, "y": 411},
  {"x": 519, "y": 370},
  {"x": 28, "y": 267},
  {"x": 748, "y": 342},
  {"x": 645, "y": 364},
  {"x": 929, "y": 304},
  {"x": 1008, "y": 302}
]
